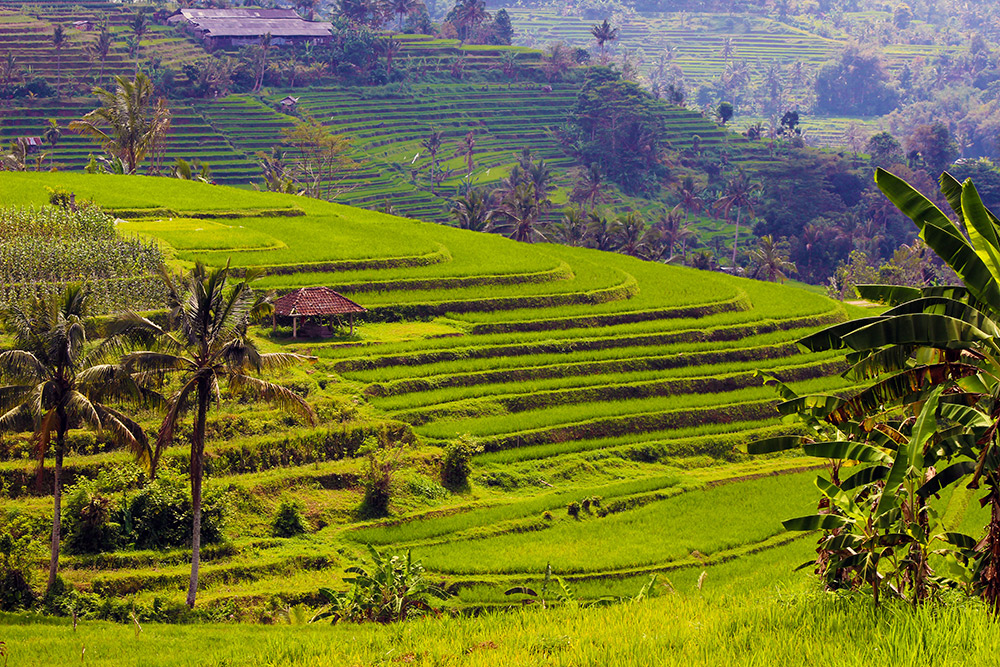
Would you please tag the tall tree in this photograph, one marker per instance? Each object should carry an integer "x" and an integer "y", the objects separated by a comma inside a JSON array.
[
  {"x": 57, "y": 380},
  {"x": 128, "y": 124},
  {"x": 139, "y": 25},
  {"x": 208, "y": 345},
  {"x": 262, "y": 49},
  {"x": 741, "y": 193},
  {"x": 101, "y": 49},
  {"x": 52, "y": 134},
  {"x": 59, "y": 41},
  {"x": 770, "y": 260},
  {"x": 472, "y": 211},
  {"x": 604, "y": 33}
]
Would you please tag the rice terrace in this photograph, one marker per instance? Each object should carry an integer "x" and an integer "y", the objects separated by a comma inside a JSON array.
[{"x": 612, "y": 332}]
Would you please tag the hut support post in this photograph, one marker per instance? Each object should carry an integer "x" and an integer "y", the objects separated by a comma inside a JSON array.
[
  {"x": 351, "y": 319},
  {"x": 274, "y": 322},
  {"x": 295, "y": 327}
]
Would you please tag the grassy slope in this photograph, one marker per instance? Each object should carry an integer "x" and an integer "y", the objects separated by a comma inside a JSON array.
[{"x": 577, "y": 407}]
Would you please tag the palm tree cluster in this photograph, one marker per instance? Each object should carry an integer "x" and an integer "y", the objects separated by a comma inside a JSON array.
[{"x": 54, "y": 378}]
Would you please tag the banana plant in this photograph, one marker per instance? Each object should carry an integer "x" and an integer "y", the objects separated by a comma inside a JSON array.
[{"x": 932, "y": 346}]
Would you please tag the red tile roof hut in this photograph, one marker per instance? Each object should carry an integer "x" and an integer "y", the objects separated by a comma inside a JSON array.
[{"x": 314, "y": 302}]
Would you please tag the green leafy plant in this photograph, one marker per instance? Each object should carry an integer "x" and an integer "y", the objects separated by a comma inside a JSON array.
[
  {"x": 457, "y": 462},
  {"x": 392, "y": 588},
  {"x": 288, "y": 521},
  {"x": 381, "y": 462}
]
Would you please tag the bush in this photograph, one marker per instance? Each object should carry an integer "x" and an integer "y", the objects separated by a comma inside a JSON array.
[
  {"x": 573, "y": 509},
  {"x": 381, "y": 462},
  {"x": 87, "y": 523},
  {"x": 288, "y": 521},
  {"x": 160, "y": 516},
  {"x": 16, "y": 552},
  {"x": 456, "y": 465}
]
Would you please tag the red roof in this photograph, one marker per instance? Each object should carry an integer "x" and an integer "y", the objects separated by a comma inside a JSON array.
[{"x": 310, "y": 301}]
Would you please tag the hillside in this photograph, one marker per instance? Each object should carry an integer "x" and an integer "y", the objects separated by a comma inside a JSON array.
[{"x": 585, "y": 376}]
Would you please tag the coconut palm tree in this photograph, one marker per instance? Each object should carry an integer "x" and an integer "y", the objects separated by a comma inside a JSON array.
[
  {"x": 604, "y": 33},
  {"x": 128, "y": 124},
  {"x": 572, "y": 229},
  {"x": 403, "y": 8},
  {"x": 469, "y": 14},
  {"x": 207, "y": 345},
  {"x": 520, "y": 215},
  {"x": 101, "y": 48},
  {"x": 55, "y": 379},
  {"x": 472, "y": 212},
  {"x": 139, "y": 25},
  {"x": 740, "y": 193},
  {"x": 263, "y": 48},
  {"x": 52, "y": 134},
  {"x": 770, "y": 260},
  {"x": 59, "y": 40},
  {"x": 589, "y": 187}
]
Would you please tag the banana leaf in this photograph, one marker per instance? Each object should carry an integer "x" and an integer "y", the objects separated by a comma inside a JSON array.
[
  {"x": 948, "y": 476},
  {"x": 982, "y": 233},
  {"x": 816, "y": 522},
  {"x": 891, "y": 295},
  {"x": 831, "y": 337},
  {"x": 929, "y": 330},
  {"x": 779, "y": 443},
  {"x": 864, "y": 477},
  {"x": 845, "y": 450}
]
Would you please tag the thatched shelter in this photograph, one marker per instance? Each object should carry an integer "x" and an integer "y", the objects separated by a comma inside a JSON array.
[{"x": 313, "y": 305}]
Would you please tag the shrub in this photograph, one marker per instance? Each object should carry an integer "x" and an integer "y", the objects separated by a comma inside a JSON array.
[
  {"x": 159, "y": 516},
  {"x": 381, "y": 462},
  {"x": 87, "y": 521},
  {"x": 288, "y": 521},
  {"x": 456, "y": 465},
  {"x": 573, "y": 509},
  {"x": 16, "y": 552}
]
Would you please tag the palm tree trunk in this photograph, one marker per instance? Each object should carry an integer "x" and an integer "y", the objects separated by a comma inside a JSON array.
[
  {"x": 197, "y": 464},
  {"x": 736, "y": 238},
  {"x": 57, "y": 503}
]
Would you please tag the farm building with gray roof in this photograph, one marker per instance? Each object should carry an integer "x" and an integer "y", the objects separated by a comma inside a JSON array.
[{"x": 247, "y": 25}]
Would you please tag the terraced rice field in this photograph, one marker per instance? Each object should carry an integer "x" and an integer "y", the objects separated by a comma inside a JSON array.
[
  {"x": 697, "y": 42},
  {"x": 386, "y": 127},
  {"x": 190, "y": 137},
  {"x": 585, "y": 376}
]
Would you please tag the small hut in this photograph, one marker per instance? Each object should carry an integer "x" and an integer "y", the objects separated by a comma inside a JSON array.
[
  {"x": 317, "y": 307},
  {"x": 288, "y": 103}
]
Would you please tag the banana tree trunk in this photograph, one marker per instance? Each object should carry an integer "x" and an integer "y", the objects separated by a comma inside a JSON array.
[
  {"x": 197, "y": 472},
  {"x": 991, "y": 571}
]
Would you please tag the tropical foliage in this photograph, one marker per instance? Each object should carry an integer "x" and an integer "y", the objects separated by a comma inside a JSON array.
[
  {"x": 927, "y": 422},
  {"x": 392, "y": 588}
]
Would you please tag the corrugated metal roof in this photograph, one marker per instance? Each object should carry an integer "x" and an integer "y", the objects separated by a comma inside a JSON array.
[
  {"x": 240, "y": 13},
  {"x": 252, "y": 22}
]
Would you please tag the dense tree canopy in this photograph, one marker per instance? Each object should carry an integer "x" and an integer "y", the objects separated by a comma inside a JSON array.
[{"x": 618, "y": 126}]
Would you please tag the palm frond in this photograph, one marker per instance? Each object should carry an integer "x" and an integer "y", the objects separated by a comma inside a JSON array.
[
  {"x": 270, "y": 392},
  {"x": 22, "y": 365}
]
